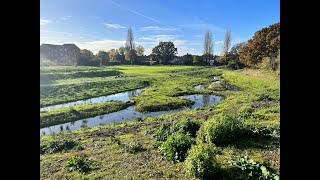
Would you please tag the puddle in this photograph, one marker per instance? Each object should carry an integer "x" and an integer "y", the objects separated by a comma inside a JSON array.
[{"x": 200, "y": 87}]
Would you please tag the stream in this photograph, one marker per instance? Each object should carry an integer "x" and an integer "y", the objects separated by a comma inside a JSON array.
[
  {"x": 128, "y": 114},
  {"x": 124, "y": 96}
]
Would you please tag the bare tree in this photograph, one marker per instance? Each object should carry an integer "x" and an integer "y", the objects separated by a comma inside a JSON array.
[
  {"x": 226, "y": 45},
  {"x": 208, "y": 46},
  {"x": 130, "y": 49}
]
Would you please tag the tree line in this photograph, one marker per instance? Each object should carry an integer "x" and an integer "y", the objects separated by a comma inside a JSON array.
[{"x": 262, "y": 50}]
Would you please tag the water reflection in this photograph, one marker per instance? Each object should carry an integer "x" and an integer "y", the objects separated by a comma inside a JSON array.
[
  {"x": 130, "y": 113},
  {"x": 205, "y": 99},
  {"x": 124, "y": 96}
]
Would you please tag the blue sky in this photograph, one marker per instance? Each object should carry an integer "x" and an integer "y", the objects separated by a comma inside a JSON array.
[{"x": 103, "y": 24}]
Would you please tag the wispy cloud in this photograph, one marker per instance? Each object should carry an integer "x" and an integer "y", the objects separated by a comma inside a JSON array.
[
  {"x": 199, "y": 36},
  {"x": 135, "y": 12},
  {"x": 237, "y": 40},
  {"x": 183, "y": 46},
  {"x": 65, "y": 18},
  {"x": 105, "y": 45},
  {"x": 218, "y": 42},
  {"x": 95, "y": 17},
  {"x": 59, "y": 32},
  {"x": 44, "y": 22},
  {"x": 157, "y": 28},
  {"x": 116, "y": 26},
  {"x": 199, "y": 24},
  {"x": 138, "y": 13},
  {"x": 159, "y": 37}
]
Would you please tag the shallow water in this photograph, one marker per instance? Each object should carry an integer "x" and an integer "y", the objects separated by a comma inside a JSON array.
[
  {"x": 202, "y": 87},
  {"x": 124, "y": 96},
  {"x": 129, "y": 114}
]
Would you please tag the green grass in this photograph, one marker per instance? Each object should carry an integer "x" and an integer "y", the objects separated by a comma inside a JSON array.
[
  {"x": 167, "y": 82},
  {"x": 51, "y": 74},
  {"x": 258, "y": 96},
  {"x": 67, "y": 114},
  {"x": 50, "y": 95}
]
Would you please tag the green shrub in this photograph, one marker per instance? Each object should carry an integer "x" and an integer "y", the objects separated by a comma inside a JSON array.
[
  {"x": 162, "y": 133},
  {"x": 55, "y": 146},
  {"x": 221, "y": 130},
  {"x": 80, "y": 163},
  {"x": 185, "y": 126},
  {"x": 134, "y": 147},
  {"x": 253, "y": 170},
  {"x": 264, "y": 97},
  {"x": 258, "y": 130},
  {"x": 245, "y": 112},
  {"x": 175, "y": 148},
  {"x": 201, "y": 161}
]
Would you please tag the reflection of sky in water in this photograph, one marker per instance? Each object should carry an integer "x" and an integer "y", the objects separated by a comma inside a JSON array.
[
  {"x": 201, "y": 86},
  {"x": 129, "y": 114},
  {"x": 125, "y": 96}
]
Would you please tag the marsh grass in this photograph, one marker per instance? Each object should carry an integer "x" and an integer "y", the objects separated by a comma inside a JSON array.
[
  {"x": 77, "y": 112},
  {"x": 115, "y": 161}
]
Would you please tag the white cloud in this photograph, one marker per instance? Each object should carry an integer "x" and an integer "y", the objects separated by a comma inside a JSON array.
[
  {"x": 157, "y": 28},
  {"x": 44, "y": 22},
  {"x": 237, "y": 40},
  {"x": 138, "y": 13},
  {"x": 183, "y": 46},
  {"x": 158, "y": 38},
  {"x": 135, "y": 12},
  {"x": 116, "y": 26},
  {"x": 199, "y": 36},
  {"x": 95, "y": 17},
  {"x": 59, "y": 32},
  {"x": 65, "y": 18},
  {"x": 218, "y": 42},
  {"x": 199, "y": 24},
  {"x": 98, "y": 45}
]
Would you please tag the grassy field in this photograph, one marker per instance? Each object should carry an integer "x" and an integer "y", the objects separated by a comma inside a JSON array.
[
  {"x": 73, "y": 113},
  {"x": 130, "y": 150},
  {"x": 165, "y": 84}
]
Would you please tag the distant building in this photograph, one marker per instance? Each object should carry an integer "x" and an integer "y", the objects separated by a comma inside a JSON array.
[
  {"x": 212, "y": 62},
  {"x": 66, "y": 54}
]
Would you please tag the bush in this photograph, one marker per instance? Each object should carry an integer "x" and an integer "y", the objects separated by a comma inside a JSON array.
[
  {"x": 221, "y": 130},
  {"x": 245, "y": 112},
  {"x": 201, "y": 161},
  {"x": 264, "y": 97},
  {"x": 134, "y": 147},
  {"x": 59, "y": 146},
  {"x": 257, "y": 130},
  {"x": 80, "y": 163},
  {"x": 162, "y": 133},
  {"x": 185, "y": 126},
  {"x": 253, "y": 170},
  {"x": 175, "y": 148}
]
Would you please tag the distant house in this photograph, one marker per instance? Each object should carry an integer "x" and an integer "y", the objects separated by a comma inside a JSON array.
[
  {"x": 66, "y": 54},
  {"x": 212, "y": 62}
]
